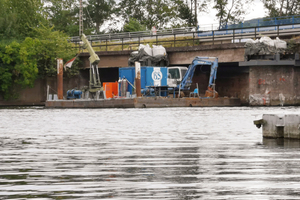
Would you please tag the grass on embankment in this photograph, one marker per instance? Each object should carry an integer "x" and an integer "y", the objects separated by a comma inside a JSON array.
[{"x": 133, "y": 45}]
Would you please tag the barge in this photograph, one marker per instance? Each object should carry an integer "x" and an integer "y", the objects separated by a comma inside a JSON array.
[{"x": 144, "y": 102}]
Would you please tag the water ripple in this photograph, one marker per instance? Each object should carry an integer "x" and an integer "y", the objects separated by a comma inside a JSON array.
[{"x": 173, "y": 153}]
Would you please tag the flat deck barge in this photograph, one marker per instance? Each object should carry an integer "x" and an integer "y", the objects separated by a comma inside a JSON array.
[{"x": 150, "y": 102}]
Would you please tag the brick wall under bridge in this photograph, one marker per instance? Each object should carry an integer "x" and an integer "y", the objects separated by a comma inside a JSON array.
[
  {"x": 232, "y": 81},
  {"x": 262, "y": 85},
  {"x": 254, "y": 85}
]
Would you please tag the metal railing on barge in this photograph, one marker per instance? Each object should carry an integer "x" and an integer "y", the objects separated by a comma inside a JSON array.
[{"x": 181, "y": 37}]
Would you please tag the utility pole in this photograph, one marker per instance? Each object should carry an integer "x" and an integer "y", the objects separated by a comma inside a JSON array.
[
  {"x": 196, "y": 19},
  {"x": 194, "y": 8},
  {"x": 80, "y": 20}
]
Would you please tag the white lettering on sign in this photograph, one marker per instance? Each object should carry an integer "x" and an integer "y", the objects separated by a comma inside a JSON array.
[{"x": 157, "y": 76}]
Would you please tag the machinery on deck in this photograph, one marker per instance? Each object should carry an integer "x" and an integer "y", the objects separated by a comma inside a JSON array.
[
  {"x": 188, "y": 76},
  {"x": 74, "y": 94},
  {"x": 95, "y": 86}
]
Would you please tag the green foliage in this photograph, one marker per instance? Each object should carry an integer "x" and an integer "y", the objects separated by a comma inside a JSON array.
[
  {"x": 63, "y": 15},
  {"x": 133, "y": 26},
  {"x": 53, "y": 45},
  {"x": 22, "y": 63},
  {"x": 18, "y": 17},
  {"x": 18, "y": 66},
  {"x": 98, "y": 11},
  {"x": 230, "y": 11},
  {"x": 186, "y": 14},
  {"x": 278, "y": 8},
  {"x": 160, "y": 13}
]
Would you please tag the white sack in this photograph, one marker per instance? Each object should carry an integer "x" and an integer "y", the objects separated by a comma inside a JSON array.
[
  {"x": 280, "y": 44},
  {"x": 158, "y": 50},
  {"x": 267, "y": 41},
  {"x": 146, "y": 48}
]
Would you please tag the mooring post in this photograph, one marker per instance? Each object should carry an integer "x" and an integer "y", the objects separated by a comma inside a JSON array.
[
  {"x": 60, "y": 91},
  {"x": 138, "y": 79}
]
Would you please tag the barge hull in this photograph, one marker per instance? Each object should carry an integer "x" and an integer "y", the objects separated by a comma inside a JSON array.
[{"x": 145, "y": 103}]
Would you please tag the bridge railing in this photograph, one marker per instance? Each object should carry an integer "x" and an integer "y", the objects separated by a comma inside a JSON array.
[
  {"x": 113, "y": 36},
  {"x": 189, "y": 38},
  {"x": 273, "y": 21}
]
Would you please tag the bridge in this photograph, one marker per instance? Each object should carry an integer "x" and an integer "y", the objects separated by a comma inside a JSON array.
[
  {"x": 257, "y": 84},
  {"x": 184, "y": 44}
]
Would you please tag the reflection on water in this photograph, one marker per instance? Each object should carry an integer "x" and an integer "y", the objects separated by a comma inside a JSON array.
[
  {"x": 175, "y": 153},
  {"x": 281, "y": 142}
]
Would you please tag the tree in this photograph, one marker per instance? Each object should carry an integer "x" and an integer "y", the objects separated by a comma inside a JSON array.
[
  {"x": 18, "y": 66},
  {"x": 63, "y": 14},
  {"x": 53, "y": 45},
  {"x": 230, "y": 11},
  {"x": 21, "y": 63},
  {"x": 18, "y": 17},
  {"x": 159, "y": 13},
  {"x": 133, "y": 26},
  {"x": 97, "y": 11},
  {"x": 278, "y": 8},
  {"x": 186, "y": 14}
]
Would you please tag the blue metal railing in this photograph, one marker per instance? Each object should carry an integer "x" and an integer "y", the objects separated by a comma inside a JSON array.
[
  {"x": 256, "y": 25},
  {"x": 274, "y": 21}
]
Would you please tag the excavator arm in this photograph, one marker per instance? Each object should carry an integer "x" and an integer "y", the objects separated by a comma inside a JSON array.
[{"x": 187, "y": 79}]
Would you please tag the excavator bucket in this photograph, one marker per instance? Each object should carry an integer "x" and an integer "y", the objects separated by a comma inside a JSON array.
[{"x": 211, "y": 93}]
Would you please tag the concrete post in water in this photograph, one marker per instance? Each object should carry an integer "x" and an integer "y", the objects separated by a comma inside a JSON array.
[
  {"x": 280, "y": 126},
  {"x": 60, "y": 91},
  {"x": 138, "y": 79}
]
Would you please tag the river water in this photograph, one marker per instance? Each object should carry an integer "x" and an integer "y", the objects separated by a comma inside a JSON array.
[{"x": 167, "y": 153}]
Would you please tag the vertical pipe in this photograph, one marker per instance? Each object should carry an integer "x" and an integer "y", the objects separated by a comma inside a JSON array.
[
  {"x": 138, "y": 79},
  {"x": 60, "y": 91},
  {"x": 98, "y": 77},
  {"x": 48, "y": 93},
  {"x": 80, "y": 19},
  {"x": 91, "y": 78},
  {"x": 174, "y": 39},
  {"x": 293, "y": 22},
  {"x": 139, "y": 40},
  {"x": 193, "y": 39},
  {"x": 196, "y": 20}
]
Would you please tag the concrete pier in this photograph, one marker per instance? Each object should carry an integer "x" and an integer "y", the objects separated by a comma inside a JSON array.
[{"x": 280, "y": 126}]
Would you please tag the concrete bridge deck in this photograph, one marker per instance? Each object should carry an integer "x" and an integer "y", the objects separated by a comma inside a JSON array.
[{"x": 230, "y": 52}]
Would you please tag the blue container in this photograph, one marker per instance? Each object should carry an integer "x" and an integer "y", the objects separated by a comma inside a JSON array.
[{"x": 150, "y": 76}]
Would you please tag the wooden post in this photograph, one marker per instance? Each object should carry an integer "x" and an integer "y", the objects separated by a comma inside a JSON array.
[{"x": 60, "y": 90}]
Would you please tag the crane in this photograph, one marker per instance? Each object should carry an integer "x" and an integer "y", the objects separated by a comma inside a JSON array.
[{"x": 94, "y": 83}]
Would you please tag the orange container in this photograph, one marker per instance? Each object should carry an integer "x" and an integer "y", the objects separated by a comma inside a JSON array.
[{"x": 111, "y": 89}]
